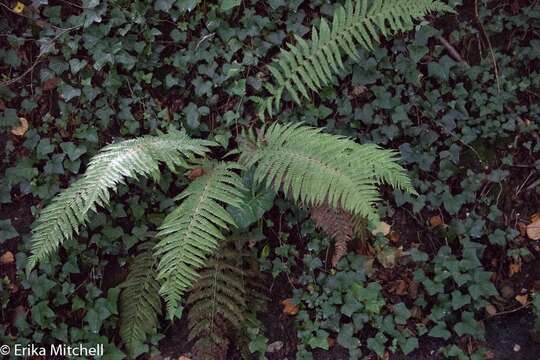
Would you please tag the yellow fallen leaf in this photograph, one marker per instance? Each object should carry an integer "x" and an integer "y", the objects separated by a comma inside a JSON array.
[
  {"x": 533, "y": 229},
  {"x": 7, "y": 258},
  {"x": 21, "y": 129},
  {"x": 19, "y": 7},
  {"x": 382, "y": 228},
  {"x": 522, "y": 299}
]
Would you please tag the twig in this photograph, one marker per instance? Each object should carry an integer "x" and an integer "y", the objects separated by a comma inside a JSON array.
[
  {"x": 38, "y": 58},
  {"x": 533, "y": 185},
  {"x": 452, "y": 50},
  {"x": 495, "y": 66},
  {"x": 512, "y": 310}
]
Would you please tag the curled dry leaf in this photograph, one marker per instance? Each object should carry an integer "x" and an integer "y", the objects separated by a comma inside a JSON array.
[
  {"x": 183, "y": 358},
  {"x": 289, "y": 307},
  {"x": 533, "y": 229},
  {"x": 195, "y": 173},
  {"x": 436, "y": 220},
  {"x": 382, "y": 228},
  {"x": 7, "y": 258},
  {"x": 522, "y": 299},
  {"x": 491, "y": 310},
  {"x": 21, "y": 129},
  {"x": 514, "y": 268}
]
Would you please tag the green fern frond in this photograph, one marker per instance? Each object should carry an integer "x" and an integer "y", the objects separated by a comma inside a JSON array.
[
  {"x": 140, "y": 303},
  {"x": 316, "y": 168},
  {"x": 192, "y": 231},
  {"x": 111, "y": 166},
  {"x": 221, "y": 301},
  {"x": 311, "y": 64}
]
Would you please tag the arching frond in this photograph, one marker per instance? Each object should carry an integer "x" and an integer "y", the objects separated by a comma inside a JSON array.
[
  {"x": 192, "y": 231},
  {"x": 111, "y": 166},
  {"x": 316, "y": 168},
  {"x": 310, "y": 65},
  {"x": 140, "y": 303}
]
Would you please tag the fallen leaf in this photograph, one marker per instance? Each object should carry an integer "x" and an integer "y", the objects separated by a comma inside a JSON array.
[
  {"x": 514, "y": 268},
  {"x": 50, "y": 84},
  {"x": 436, "y": 220},
  {"x": 2, "y": 105},
  {"x": 19, "y": 7},
  {"x": 389, "y": 256},
  {"x": 394, "y": 236},
  {"x": 289, "y": 307},
  {"x": 533, "y": 229},
  {"x": 7, "y": 258},
  {"x": 491, "y": 310},
  {"x": 195, "y": 173},
  {"x": 401, "y": 288},
  {"x": 382, "y": 228},
  {"x": 522, "y": 299},
  {"x": 21, "y": 129},
  {"x": 331, "y": 342},
  {"x": 183, "y": 358}
]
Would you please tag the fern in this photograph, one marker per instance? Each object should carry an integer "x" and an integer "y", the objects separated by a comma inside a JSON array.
[
  {"x": 311, "y": 64},
  {"x": 316, "y": 168},
  {"x": 191, "y": 231},
  {"x": 140, "y": 302},
  {"x": 110, "y": 167},
  {"x": 218, "y": 303},
  {"x": 337, "y": 224}
]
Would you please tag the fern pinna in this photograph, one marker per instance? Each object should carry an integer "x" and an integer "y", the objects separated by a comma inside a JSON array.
[{"x": 311, "y": 64}]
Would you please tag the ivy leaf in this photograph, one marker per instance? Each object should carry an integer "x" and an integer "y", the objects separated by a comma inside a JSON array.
[
  {"x": 459, "y": 300},
  {"x": 401, "y": 313},
  {"x": 377, "y": 343},
  {"x": 440, "y": 331},
  {"x": 319, "y": 341},
  {"x": 410, "y": 345},
  {"x": 345, "y": 337},
  {"x": 7, "y": 231},
  {"x": 229, "y": 4}
]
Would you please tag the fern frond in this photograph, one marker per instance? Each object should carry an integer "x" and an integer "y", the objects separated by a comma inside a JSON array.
[
  {"x": 337, "y": 224},
  {"x": 111, "y": 166},
  {"x": 192, "y": 231},
  {"x": 315, "y": 168},
  {"x": 140, "y": 303},
  {"x": 310, "y": 64},
  {"x": 220, "y": 302}
]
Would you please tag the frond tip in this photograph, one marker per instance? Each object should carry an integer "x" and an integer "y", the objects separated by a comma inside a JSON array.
[
  {"x": 140, "y": 302},
  {"x": 315, "y": 168},
  {"x": 192, "y": 231},
  {"x": 311, "y": 64},
  {"x": 111, "y": 166}
]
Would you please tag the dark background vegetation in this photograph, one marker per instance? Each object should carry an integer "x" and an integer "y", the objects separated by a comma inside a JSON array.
[{"x": 458, "y": 98}]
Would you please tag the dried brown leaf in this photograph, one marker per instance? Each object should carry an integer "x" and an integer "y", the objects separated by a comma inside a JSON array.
[
  {"x": 7, "y": 258},
  {"x": 533, "y": 229},
  {"x": 336, "y": 223},
  {"x": 21, "y": 129}
]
